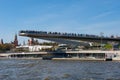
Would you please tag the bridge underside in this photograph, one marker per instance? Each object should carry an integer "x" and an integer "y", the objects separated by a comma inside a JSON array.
[{"x": 68, "y": 42}]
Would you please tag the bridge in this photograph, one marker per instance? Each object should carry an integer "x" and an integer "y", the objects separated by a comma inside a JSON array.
[{"x": 67, "y": 38}]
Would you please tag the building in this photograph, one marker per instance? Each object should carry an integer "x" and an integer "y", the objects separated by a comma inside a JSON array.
[
  {"x": 34, "y": 48},
  {"x": 15, "y": 41},
  {"x": 1, "y": 42},
  {"x": 31, "y": 41}
]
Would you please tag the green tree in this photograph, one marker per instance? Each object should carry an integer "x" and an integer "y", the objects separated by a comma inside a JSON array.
[
  {"x": 108, "y": 46},
  {"x": 6, "y": 47}
]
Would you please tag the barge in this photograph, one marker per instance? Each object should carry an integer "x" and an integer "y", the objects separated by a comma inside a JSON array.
[{"x": 93, "y": 55}]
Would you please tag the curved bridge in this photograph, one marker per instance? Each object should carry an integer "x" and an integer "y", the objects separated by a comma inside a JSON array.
[{"x": 67, "y": 38}]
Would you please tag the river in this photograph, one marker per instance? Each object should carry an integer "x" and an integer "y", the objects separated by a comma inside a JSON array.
[{"x": 35, "y": 69}]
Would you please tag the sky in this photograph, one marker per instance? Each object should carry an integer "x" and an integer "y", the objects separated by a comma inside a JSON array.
[{"x": 72, "y": 16}]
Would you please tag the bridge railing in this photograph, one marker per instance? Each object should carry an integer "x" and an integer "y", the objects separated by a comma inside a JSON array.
[{"x": 63, "y": 34}]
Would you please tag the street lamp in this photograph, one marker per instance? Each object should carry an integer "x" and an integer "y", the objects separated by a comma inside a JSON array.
[{"x": 101, "y": 34}]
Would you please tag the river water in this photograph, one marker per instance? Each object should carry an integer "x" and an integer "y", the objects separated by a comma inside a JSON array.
[{"x": 35, "y": 69}]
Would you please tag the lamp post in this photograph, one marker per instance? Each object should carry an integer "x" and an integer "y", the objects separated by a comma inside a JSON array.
[{"x": 101, "y": 34}]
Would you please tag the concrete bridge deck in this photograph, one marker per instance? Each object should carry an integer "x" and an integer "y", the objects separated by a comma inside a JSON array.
[{"x": 68, "y": 36}]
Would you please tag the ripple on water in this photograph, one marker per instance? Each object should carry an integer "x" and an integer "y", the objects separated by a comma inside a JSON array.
[
  {"x": 3, "y": 76},
  {"x": 58, "y": 70}
]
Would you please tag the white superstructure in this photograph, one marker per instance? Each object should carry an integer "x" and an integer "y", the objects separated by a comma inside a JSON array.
[{"x": 34, "y": 47}]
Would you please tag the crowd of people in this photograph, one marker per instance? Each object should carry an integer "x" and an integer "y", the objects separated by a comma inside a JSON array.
[{"x": 65, "y": 34}]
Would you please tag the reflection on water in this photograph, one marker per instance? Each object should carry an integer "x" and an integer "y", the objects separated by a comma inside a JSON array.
[{"x": 16, "y": 69}]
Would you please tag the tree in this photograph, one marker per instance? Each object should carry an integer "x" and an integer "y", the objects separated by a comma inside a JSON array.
[
  {"x": 108, "y": 46},
  {"x": 6, "y": 47}
]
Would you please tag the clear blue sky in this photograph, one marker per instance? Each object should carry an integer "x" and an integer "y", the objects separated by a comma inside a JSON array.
[{"x": 77, "y": 16}]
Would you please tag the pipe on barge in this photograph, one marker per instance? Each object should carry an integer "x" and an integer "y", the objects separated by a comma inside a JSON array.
[{"x": 79, "y": 59}]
